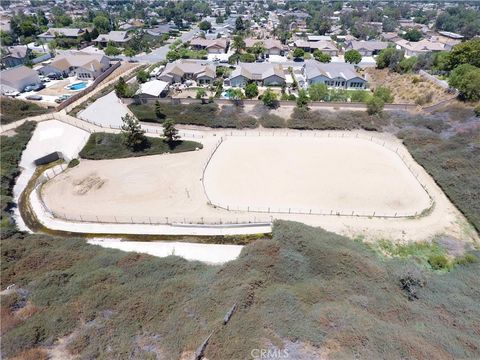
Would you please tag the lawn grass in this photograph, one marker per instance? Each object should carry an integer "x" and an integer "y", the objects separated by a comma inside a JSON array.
[
  {"x": 102, "y": 146},
  {"x": 13, "y": 109}
]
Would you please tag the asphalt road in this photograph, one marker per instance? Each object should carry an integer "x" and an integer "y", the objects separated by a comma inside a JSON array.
[{"x": 160, "y": 53}]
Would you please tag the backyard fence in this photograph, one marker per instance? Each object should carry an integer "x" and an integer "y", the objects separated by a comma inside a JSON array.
[{"x": 89, "y": 89}]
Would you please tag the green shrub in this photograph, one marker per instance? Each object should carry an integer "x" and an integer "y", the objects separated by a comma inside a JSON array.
[
  {"x": 476, "y": 110},
  {"x": 467, "y": 259},
  {"x": 439, "y": 262},
  {"x": 111, "y": 146},
  {"x": 73, "y": 163}
]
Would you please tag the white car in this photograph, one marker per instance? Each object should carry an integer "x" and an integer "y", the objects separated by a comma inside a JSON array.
[{"x": 11, "y": 93}]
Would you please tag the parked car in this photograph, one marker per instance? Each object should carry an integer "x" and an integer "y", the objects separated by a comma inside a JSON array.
[
  {"x": 34, "y": 97},
  {"x": 62, "y": 98},
  {"x": 44, "y": 79},
  {"x": 11, "y": 93},
  {"x": 34, "y": 87},
  {"x": 54, "y": 76}
]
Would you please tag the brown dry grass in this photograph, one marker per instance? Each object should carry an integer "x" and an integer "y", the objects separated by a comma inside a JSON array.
[
  {"x": 32, "y": 354},
  {"x": 403, "y": 87}
]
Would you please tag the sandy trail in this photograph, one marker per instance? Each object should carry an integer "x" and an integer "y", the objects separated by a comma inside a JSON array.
[{"x": 353, "y": 174}]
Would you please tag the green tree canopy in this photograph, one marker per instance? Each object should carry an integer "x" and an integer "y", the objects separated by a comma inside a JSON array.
[
  {"x": 466, "y": 79},
  {"x": 133, "y": 134},
  {"x": 384, "y": 93},
  {"x": 251, "y": 90},
  {"x": 302, "y": 99},
  {"x": 321, "y": 56},
  {"x": 205, "y": 26},
  {"x": 318, "y": 91},
  {"x": 269, "y": 98},
  {"x": 353, "y": 56},
  {"x": 170, "y": 132},
  {"x": 298, "y": 53}
]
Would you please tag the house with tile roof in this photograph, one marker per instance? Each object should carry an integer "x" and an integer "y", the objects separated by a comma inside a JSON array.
[
  {"x": 324, "y": 46},
  {"x": 52, "y": 33},
  {"x": 15, "y": 55},
  {"x": 213, "y": 46},
  {"x": 367, "y": 48},
  {"x": 182, "y": 70},
  {"x": 272, "y": 46},
  {"x": 17, "y": 78},
  {"x": 423, "y": 46},
  {"x": 119, "y": 38},
  {"x": 85, "y": 66},
  {"x": 334, "y": 75},
  {"x": 264, "y": 74}
]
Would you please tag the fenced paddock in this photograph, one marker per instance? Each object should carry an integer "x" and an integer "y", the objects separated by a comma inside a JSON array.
[
  {"x": 314, "y": 173},
  {"x": 244, "y": 177}
]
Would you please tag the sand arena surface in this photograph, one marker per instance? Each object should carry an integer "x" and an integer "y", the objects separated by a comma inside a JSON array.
[
  {"x": 299, "y": 174},
  {"x": 261, "y": 169}
]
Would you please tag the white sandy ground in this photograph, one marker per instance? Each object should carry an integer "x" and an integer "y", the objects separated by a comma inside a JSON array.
[
  {"x": 321, "y": 174},
  {"x": 49, "y": 136},
  {"x": 168, "y": 188},
  {"x": 107, "y": 111},
  {"x": 214, "y": 254}
]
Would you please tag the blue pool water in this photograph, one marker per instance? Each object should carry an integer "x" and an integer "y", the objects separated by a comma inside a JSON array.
[{"x": 78, "y": 86}]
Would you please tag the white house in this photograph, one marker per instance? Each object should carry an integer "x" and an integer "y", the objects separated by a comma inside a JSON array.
[
  {"x": 17, "y": 78},
  {"x": 85, "y": 66}
]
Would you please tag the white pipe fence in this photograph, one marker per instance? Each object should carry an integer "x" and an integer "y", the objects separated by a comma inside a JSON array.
[
  {"x": 255, "y": 220},
  {"x": 396, "y": 149}
]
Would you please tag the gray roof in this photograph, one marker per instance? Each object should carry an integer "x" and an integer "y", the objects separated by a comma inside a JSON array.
[
  {"x": 258, "y": 71},
  {"x": 315, "y": 68},
  {"x": 17, "y": 73},
  {"x": 68, "y": 32},
  {"x": 367, "y": 45},
  {"x": 115, "y": 36},
  {"x": 18, "y": 52}
]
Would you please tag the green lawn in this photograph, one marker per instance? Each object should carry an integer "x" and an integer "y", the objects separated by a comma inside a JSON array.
[{"x": 102, "y": 146}]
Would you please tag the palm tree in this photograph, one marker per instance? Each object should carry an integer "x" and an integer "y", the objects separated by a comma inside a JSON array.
[{"x": 238, "y": 43}]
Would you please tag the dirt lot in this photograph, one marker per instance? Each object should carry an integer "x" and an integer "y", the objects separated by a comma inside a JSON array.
[
  {"x": 407, "y": 88},
  {"x": 170, "y": 185}
]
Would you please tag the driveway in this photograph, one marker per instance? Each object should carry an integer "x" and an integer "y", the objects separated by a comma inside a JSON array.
[{"x": 160, "y": 53}]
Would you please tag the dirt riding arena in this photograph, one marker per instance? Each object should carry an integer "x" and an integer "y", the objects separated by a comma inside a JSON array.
[{"x": 353, "y": 183}]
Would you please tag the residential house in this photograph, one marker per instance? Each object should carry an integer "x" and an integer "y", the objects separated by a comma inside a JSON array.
[
  {"x": 390, "y": 36},
  {"x": 182, "y": 70},
  {"x": 213, "y": 46},
  {"x": 15, "y": 55},
  {"x": 272, "y": 46},
  {"x": 423, "y": 46},
  {"x": 264, "y": 74},
  {"x": 153, "y": 89},
  {"x": 334, "y": 75},
  {"x": 160, "y": 30},
  {"x": 367, "y": 48},
  {"x": 319, "y": 38},
  {"x": 327, "y": 47},
  {"x": 85, "y": 66},
  {"x": 17, "y": 78},
  {"x": 71, "y": 33},
  {"x": 119, "y": 38}
]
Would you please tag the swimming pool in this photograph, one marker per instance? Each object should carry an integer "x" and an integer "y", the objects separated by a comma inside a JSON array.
[{"x": 78, "y": 86}]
